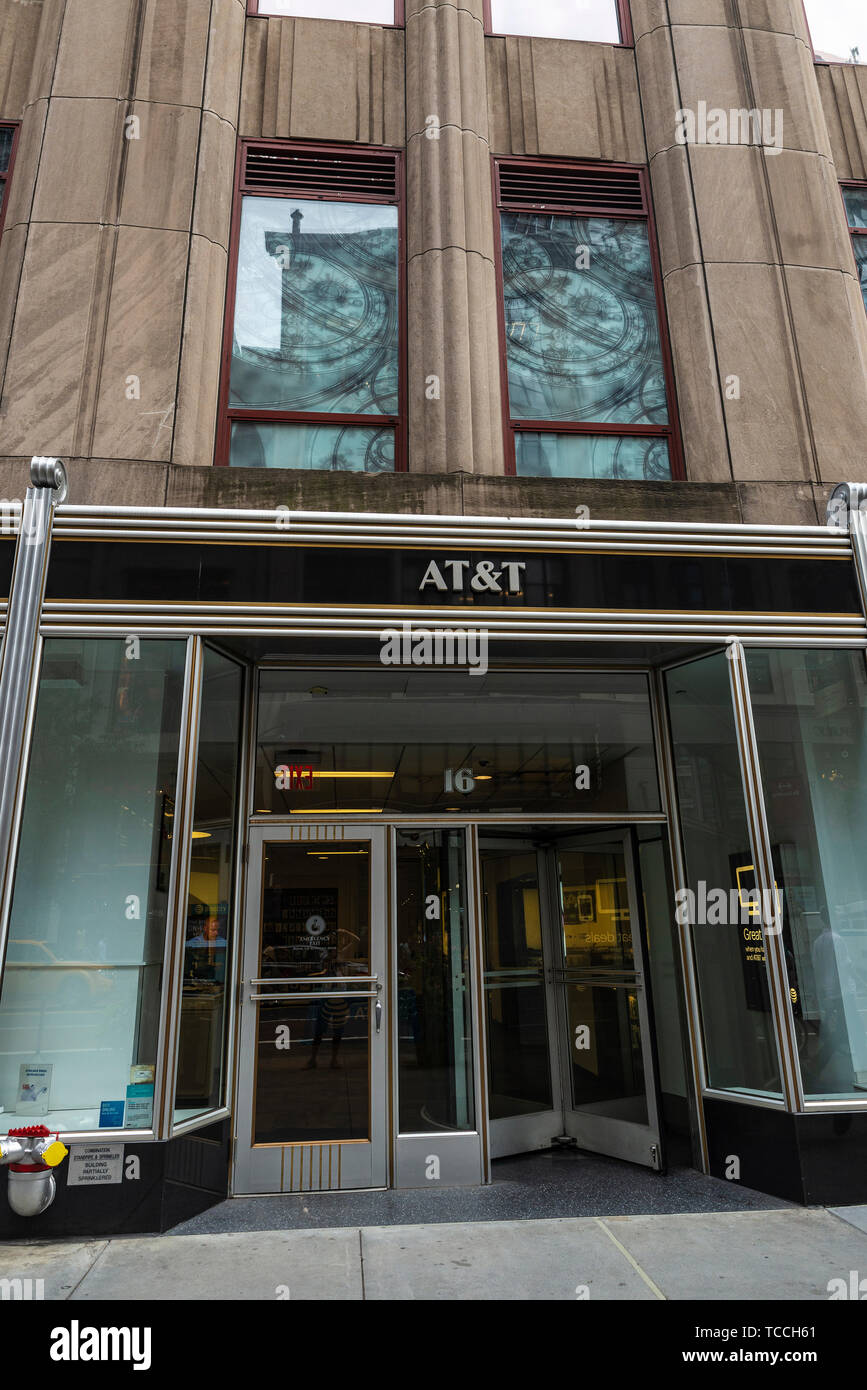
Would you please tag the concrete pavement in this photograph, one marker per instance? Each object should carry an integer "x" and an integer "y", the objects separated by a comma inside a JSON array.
[{"x": 788, "y": 1254}]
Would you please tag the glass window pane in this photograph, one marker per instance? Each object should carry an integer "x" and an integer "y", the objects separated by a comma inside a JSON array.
[
  {"x": 810, "y": 711},
  {"x": 314, "y": 1086},
  {"x": 543, "y": 455},
  {"x": 436, "y": 741},
  {"x": 316, "y": 308},
  {"x": 84, "y": 968},
  {"x": 856, "y": 206},
  {"x": 734, "y": 995},
  {"x": 209, "y": 922},
  {"x": 859, "y": 244},
  {"x": 519, "y": 1067},
  {"x": 346, "y": 448},
  {"x": 435, "y": 1066},
  {"x": 582, "y": 334},
  {"x": 362, "y": 11},
  {"x": 6, "y": 136},
  {"x": 557, "y": 19},
  {"x": 838, "y": 29}
]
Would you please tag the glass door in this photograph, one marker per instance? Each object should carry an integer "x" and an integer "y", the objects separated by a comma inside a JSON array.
[
  {"x": 607, "y": 1079},
  {"x": 311, "y": 1095},
  {"x": 520, "y": 1017},
  {"x": 568, "y": 1032}
]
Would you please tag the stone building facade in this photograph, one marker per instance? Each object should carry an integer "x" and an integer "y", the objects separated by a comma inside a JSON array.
[
  {"x": 116, "y": 251},
  {"x": 551, "y": 346}
]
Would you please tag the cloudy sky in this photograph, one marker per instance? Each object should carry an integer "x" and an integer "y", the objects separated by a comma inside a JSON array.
[
  {"x": 838, "y": 26},
  {"x": 564, "y": 19}
]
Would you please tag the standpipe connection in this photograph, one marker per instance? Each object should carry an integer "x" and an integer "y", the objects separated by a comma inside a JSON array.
[{"x": 31, "y": 1154}]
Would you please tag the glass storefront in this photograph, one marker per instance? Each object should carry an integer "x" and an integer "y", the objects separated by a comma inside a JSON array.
[
  {"x": 83, "y": 983},
  {"x": 728, "y": 946},
  {"x": 209, "y": 924},
  {"x": 810, "y": 712},
  {"x": 394, "y": 920},
  {"x": 394, "y": 742},
  {"x": 433, "y": 1007}
]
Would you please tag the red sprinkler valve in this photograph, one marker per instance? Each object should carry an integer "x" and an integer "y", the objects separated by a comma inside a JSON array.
[{"x": 31, "y": 1153}]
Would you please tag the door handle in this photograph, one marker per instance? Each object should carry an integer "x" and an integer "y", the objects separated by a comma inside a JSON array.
[{"x": 377, "y": 1010}]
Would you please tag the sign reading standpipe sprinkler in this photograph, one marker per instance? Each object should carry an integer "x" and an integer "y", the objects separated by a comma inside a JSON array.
[{"x": 420, "y": 646}]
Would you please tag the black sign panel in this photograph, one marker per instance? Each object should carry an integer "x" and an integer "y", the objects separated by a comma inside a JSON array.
[{"x": 349, "y": 576}]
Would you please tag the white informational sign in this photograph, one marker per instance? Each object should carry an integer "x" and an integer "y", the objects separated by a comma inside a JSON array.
[
  {"x": 93, "y": 1164},
  {"x": 34, "y": 1088}
]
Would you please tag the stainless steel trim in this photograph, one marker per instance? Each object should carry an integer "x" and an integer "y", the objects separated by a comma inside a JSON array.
[
  {"x": 208, "y": 1117},
  {"x": 748, "y": 753},
  {"x": 842, "y": 1106},
  {"x": 19, "y": 667},
  {"x": 179, "y": 875},
  {"x": 314, "y": 980},
  {"x": 745, "y": 1098},
  {"x": 325, "y": 994},
  {"x": 300, "y": 527},
  {"x": 694, "y": 1060},
  {"x": 245, "y": 801}
]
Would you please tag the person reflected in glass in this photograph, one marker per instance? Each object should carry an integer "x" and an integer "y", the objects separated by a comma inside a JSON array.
[
  {"x": 333, "y": 1014},
  {"x": 834, "y": 975}
]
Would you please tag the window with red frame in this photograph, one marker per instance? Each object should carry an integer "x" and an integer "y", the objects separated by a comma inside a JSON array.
[
  {"x": 588, "y": 386},
  {"x": 855, "y": 198},
  {"x": 313, "y": 374},
  {"x": 598, "y": 21},
  {"x": 8, "y": 141},
  {"x": 358, "y": 11}
]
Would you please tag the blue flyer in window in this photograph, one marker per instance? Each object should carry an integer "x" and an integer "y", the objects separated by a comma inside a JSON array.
[
  {"x": 139, "y": 1106},
  {"x": 111, "y": 1114}
]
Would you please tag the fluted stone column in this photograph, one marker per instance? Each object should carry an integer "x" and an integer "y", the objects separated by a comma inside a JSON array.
[
  {"x": 455, "y": 422},
  {"x": 759, "y": 275},
  {"x": 123, "y": 187},
  {"x": 19, "y": 38}
]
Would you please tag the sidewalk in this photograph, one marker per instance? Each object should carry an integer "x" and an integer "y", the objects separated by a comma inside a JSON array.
[{"x": 775, "y": 1254}]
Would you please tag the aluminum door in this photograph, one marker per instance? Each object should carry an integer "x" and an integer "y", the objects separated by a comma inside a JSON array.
[
  {"x": 311, "y": 1099},
  {"x": 524, "y": 1104},
  {"x": 607, "y": 1072}
]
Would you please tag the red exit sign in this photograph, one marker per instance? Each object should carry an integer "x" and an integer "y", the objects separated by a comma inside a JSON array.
[{"x": 293, "y": 779}]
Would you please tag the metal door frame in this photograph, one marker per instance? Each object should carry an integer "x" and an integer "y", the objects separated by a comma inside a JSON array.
[
  {"x": 636, "y": 1143},
  {"x": 304, "y": 1166},
  {"x": 616, "y": 1138},
  {"x": 459, "y": 1154},
  {"x": 538, "y": 1126}
]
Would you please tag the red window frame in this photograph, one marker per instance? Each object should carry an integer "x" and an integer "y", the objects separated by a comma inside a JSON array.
[
  {"x": 853, "y": 231},
  {"x": 229, "y": 413},
  {"x": 511, "y": 427},
  {"x": 399, "y": 17},
  {"x": 6, "y": 175},
  {"x": 624, "y": 20}
]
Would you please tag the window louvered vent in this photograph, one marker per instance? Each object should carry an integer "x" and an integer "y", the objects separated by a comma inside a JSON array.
[
  {"x": 319, "y": 173},
  {"x": 570, "y": 186}
]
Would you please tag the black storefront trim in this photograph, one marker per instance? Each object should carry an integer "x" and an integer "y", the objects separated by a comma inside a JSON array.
[{"x": 102, "y": 570}]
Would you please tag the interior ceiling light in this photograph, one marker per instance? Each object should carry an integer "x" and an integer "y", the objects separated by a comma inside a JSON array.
[
  {"x": 331, "y": 853},
  {"x": 339, "y": 811},
  {"x": 316, "y": 773}
]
